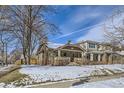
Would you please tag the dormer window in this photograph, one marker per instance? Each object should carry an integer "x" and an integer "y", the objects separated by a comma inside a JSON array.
[{"x": 91, "y": 45}]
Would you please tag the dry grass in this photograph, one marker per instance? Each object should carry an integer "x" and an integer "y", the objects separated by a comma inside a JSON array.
[
  {"x": 12, "y": 76},
  {"x": 9, "y": 70},
  {"x": 73, "y": 64}
]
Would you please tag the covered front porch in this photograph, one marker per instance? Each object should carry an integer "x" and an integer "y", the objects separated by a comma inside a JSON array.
[
  {"x": 68, "y": 53},
  {"x": 99, "y": 57}
]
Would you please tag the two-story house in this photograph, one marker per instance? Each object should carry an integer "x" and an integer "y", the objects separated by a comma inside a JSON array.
[
  {"x": 89, "y": 45},
  {"x": 84, "y": 52}
]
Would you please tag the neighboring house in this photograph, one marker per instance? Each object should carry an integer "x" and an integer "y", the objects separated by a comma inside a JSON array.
[
  {"x": 15, "y": 55},
  {"x": 100, "y": 53},
  {"x": 85, "y": 52}
]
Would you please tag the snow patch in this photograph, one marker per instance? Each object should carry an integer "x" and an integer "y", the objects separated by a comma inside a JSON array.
[
  {"x": 40, "y": 74},
  {"x": 113, "y": 83}
]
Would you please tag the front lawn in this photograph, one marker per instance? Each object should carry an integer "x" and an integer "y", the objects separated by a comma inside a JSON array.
[{"x": 11, "y": 77}]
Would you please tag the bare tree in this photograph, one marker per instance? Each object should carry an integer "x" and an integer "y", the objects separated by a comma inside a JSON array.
[
  {"x": 29, "y": 25},
  {"x": 114, "y": 28},
  {"x": 5, "y": 37}
]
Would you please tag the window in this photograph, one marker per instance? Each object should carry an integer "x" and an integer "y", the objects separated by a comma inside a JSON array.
[
  {"x": 88, "y": 56},
  {"x": 64, "y": 54},
  {"x": 80, "y": 55},
  {"x": 91, "y": 45}
]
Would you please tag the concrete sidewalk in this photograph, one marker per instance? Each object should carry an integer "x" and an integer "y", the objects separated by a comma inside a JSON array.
[{"x": 69, "y": 83}]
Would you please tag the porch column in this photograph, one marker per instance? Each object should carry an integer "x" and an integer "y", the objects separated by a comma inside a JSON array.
[
  {"x": 104, "y": 58},
  {"x": 91, "y": 57},
  {"x": 110, "y": 59},
  {"x": 99, "y": 57},
  {"x": 59, "y": 53},
  {"x": 82, "y": 54}
]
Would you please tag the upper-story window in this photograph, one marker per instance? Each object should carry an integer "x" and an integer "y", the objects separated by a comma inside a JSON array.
[{"x": 91, "y": 45}]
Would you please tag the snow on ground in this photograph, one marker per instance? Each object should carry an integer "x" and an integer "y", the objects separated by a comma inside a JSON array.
[
  {"x": 46, "y": 73},
  {"x": 56, "y": 73},
  {"x": 3, "y": 85},
  {"x": 2, "y": 70},
  {"x": 5, "y": 68},
  {"x": 39, "y": 74},
  {"x": 113, "y": 83}
]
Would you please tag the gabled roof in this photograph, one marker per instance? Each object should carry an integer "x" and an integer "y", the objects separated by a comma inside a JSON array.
[
  {"x": 68, "y": 46},
  {"x": 105, "y": 43},
  {"x": 39, "y": 48},
  {"x": 89, "y": 41}
]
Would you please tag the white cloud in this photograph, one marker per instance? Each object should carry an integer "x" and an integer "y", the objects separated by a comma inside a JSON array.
[
  {"x": 71, "y": 33},
  {"x": 78, "y": 17},
  {"x": 95, "y": 34},
  {"x": 82, "y": 14},
  {"x": 54, "y": 45}
]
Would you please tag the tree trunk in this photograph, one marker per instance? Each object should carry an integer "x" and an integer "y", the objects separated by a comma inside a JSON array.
[
  {"x": 24, "y": 55},
  {"x": 6, "y": 54},
  {"x": 29, "y": 34}
]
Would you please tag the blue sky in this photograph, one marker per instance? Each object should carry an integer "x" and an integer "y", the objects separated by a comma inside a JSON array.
[{"x": 78, "y": 23}]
